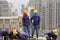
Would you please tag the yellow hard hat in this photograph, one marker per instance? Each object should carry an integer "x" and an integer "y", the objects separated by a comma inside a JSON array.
[
  {"x": 25, "y": 11},
  {"x": 55, "y": 31},
  {"x": 14, "y": 32},
  {"x": 35, "y": 11}
]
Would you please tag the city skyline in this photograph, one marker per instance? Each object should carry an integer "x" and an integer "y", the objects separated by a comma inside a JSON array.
[
  {"x": 17, "y": 4},
  {"x": 49, "y": 11}
]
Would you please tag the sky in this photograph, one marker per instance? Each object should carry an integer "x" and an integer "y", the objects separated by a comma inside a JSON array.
[{"x": 17, "y": 3}]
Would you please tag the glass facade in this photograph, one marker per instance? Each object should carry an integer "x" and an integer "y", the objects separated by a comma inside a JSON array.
[
  {"x": 43, "y": 12},
  {"x": 50, "y": 14}
]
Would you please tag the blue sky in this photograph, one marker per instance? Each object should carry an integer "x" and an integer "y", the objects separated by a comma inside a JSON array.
[{"x": 17, "y": 4}]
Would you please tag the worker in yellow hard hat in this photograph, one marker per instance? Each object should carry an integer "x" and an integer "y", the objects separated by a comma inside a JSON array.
[
  {"x": 25, "y": 11},
  {"x": 26, "y": 22},
  {"x": 35, "y": 20},
  {"x": 13, "y": 33},
  {"x": 53, "y": 34}
]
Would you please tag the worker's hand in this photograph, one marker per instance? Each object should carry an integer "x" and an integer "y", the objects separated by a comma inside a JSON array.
[{"x": 32, "y": 21}]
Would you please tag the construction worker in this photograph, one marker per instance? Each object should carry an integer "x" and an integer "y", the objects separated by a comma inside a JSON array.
[
  {"x": 4, "y": 33},
  {"x": 26, "y": 22},
  {"x": 22, "y": 35},
  {"x": 36, "y": 22},
  {"x": 13, "y": 34},
  {"x": 52, "y": 34}
]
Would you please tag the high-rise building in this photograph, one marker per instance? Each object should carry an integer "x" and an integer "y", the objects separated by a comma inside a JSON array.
[
  {"x": 58, "y": 10},
  {"x": 31, "y": 2},
  {"x": 43, "y": 11},
  {"x": 50, "y": 14},
  {"x": 14, "y": 12},
  {"x": 31, "y": 12},
  {"x": 6, "y": 8},
  {"x": 36, "y": 4},
  {"x": 6, "y": 14},
  {"x": 43, "y": 18},
  {"x": 22, "y": 8}
]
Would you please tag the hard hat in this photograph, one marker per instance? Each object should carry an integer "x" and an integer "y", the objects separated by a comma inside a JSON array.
[
  {"x": 25, "y": 11},
  {"x": 14, "y": 32},
  {"x": 35, "y": 11},
  {"x": 55, "y": 31}
]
